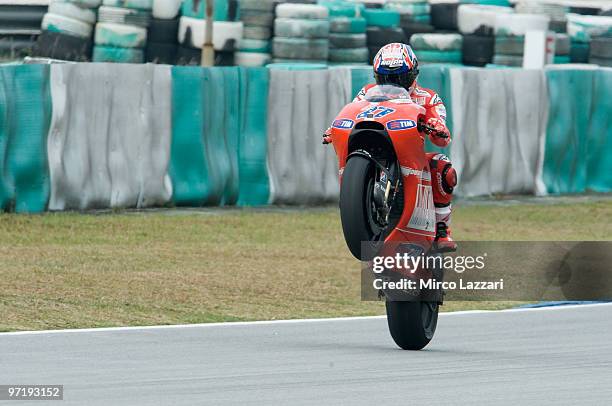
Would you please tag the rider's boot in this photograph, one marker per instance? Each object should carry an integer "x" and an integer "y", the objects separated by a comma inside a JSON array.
[{"x": 444, "y": 242}]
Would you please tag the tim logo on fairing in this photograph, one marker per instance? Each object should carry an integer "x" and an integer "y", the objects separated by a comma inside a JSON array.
[
  {"x": 343, "y": 124},
  {"x": 399, "y": 125}
]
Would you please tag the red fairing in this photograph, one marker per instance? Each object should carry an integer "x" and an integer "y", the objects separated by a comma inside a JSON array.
[
  {"x": 400, "y": 119},
  {"x": 434, "y": 109}
]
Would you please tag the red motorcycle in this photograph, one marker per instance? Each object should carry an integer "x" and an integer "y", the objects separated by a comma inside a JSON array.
[{"x": 386, "y": 197}]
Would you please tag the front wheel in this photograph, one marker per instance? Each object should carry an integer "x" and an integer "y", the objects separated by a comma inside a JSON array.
[
  {"x": 358, "y": 210},
  {"x": 412, "y": 324}
]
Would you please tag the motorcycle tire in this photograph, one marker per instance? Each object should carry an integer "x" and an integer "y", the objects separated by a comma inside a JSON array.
[
  {"x": 355, "y": 214},
  {"x": 412, "y": 324}
]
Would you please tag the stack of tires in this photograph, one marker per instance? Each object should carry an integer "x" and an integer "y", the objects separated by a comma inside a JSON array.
[
  {"x": 556, "y": 12},
  {"x": 67, "y": 30},
  {"x": 227, "y": 33},
  {"x": 587, "y": 32},
  {"x": 121, "y": 32},
  {"x": 438, "y": 48},
  {"x": 601, "y": 51},
  {"x": 562, "y": 49},
  {"x": 444, "y": 15},
  {"x": 347, "y": 38},
  {"x": 411, "y": 11},
  {"x": 477, "y": 25},
  {"x": 509, "y": 51},
  {"x": 258, "y": 19},
  {"x": 19, "y": 30},
  {"x": 383, "y": 28},
  {"x": 510, "y": 36},
  {"x": 162, "y": 35},
  {"x": 301, "y": 34}
]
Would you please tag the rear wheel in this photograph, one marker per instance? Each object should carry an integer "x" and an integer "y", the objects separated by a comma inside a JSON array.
[
  {"x": 358, "y": 210},
  {"x": 412, "y": 324}
]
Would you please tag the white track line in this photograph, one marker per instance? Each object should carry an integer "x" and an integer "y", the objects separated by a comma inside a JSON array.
[{"x": 291, "y": 321}]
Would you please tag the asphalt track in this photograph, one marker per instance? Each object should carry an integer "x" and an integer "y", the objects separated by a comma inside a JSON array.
[{"x": 550, "y": 356}]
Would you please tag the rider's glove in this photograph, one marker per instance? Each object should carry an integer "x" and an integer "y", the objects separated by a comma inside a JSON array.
[
  {"x": 439, "y": 127},
  {"x": 327, "y": 137}
]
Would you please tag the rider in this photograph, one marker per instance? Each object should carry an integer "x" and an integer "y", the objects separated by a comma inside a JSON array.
[{"x": 397, "y": 64}]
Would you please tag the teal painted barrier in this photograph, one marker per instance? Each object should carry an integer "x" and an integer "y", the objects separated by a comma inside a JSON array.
[
  {"x": 203, "y": 158},
  {"x": 437, "y": 78},
  {"x": 218, "y": 153},
  {"x": 254, "y": 182},
  {"x": 25, "y": 114},
  {"x": 599, "y": 175},
  {"x": 221, "y": 129},
  {"x": 565, "y": 161},
  {"x": 361, "y": 77},
  {"x": 188, "y": 165}
]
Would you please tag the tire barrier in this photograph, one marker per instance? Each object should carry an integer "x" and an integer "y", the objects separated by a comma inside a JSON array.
[
  {"x": 256, "y": 16},
  {"x": 479, "y": 20},
  {"x": 556, "y": 13},
  {"x": 121, "y": 31},
  {"x": 478, "y": 50},
  {"x": 499, "y": 125},
  {"x": 219, "y": 142},
  {"x": 162, "y": 38},
  {"x": 25, "y": 113},
  {"x": 225, "y": 10},
  {"x": 438, "y": 48},
  {"x": 348, "y": 38},
  {"x": 599, "y": 147},
  {"x": 417, "y": 11},
  {"x": 579, "y": 140},
  {"x": 254, "y": 183},
  {"x": 189, "y": 136},
  {"x": 601, "y": 51},
  {"x": 204, "y": 159},
  {"x": 301, "y": 32},
  {"x": 444, "y": 15},
  {"x": 301, "y": 106},
  {"x": 166, "y": 9},
  {"x": 63, "y": 47},
  {"x": 109, "y": 141}
]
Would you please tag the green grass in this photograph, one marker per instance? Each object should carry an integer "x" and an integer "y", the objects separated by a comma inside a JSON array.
[{"x": 76, "y": 271}]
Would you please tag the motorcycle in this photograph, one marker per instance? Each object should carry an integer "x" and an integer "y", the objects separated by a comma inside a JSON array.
[{"x": 386, "y": 197}]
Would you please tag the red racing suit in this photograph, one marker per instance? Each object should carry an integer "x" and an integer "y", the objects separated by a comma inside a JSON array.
[{"x": 443, "y": 174}]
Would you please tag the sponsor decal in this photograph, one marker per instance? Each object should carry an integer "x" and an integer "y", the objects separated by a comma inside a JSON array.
[
  {"x": 392, "y": 56},
  {"x": 424, "y": 175},
  {"x": 376, "y": 112},
  {"x": 436, "y": 100},
  {"x": 400, "y": 125},
  {"x": 419, "y": 100},
  {"x": 361, "y": 95},
  {"x": 343, "y": 124},
  {"x": 424, "y": 214}
]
